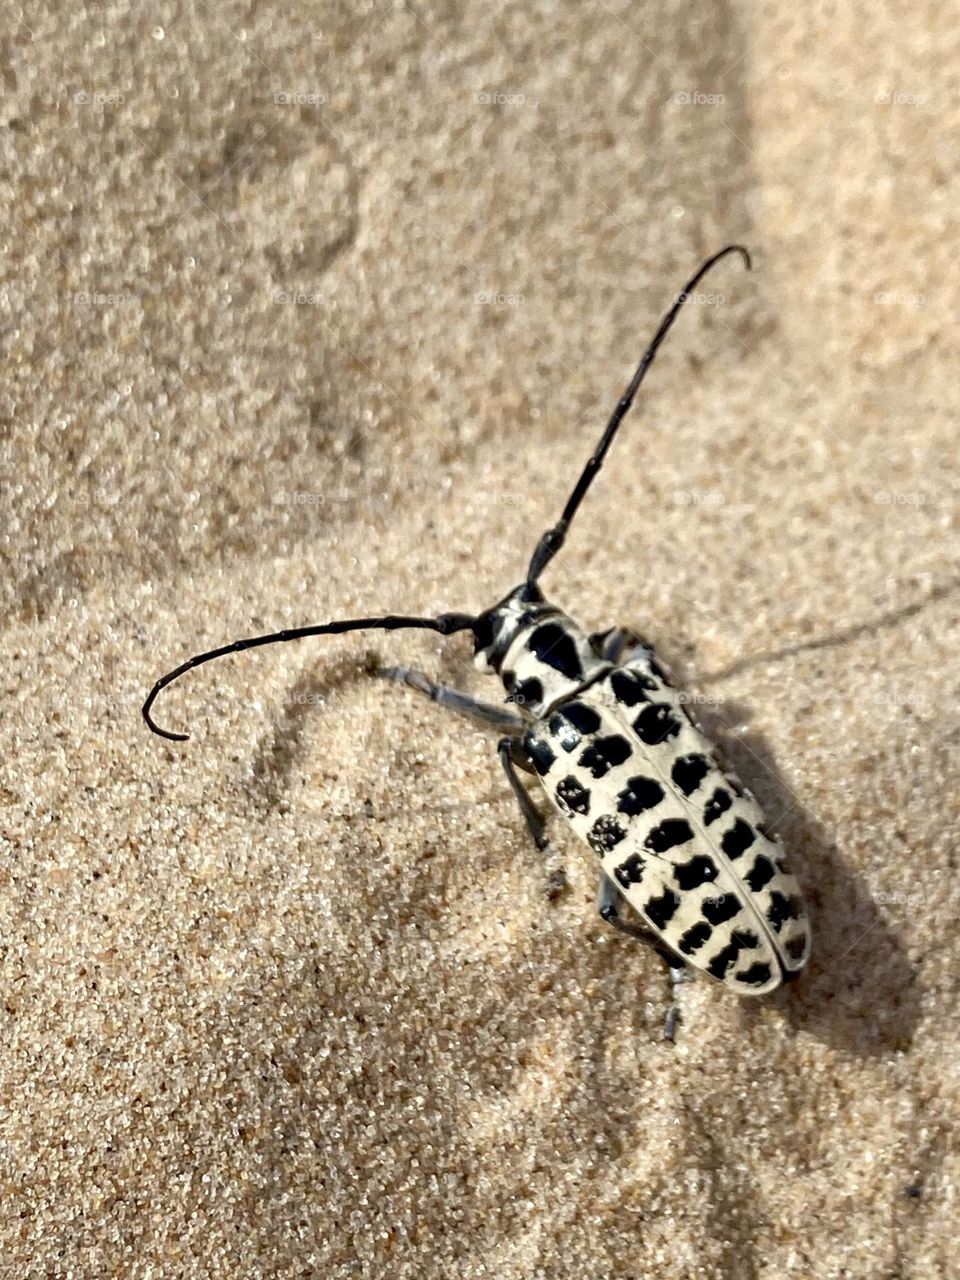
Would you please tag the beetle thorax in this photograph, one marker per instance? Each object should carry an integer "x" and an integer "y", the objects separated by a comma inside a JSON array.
[
  {"x": 540, "y": 654},
  {"x": 549, "y": 660}
]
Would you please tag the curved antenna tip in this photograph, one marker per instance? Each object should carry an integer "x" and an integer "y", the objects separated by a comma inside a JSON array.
[
  {"x": 551, "y": 541},
  {"x": 744, "y": 254},
  {"x": 155, "y": 728},
  {"x": 444, "y": 623}
]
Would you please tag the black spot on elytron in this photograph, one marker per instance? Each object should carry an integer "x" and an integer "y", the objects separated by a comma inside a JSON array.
[
  {"x": 722, "y": 961},
  {"x": 718, "y": 803},
  {"x": 740, "y": 940},
  {"x": 780, "y": 910},
  {"x": 661, "y": 910},
  {"x": 555, "y": 647},
  {"x": 581, "y": 716},
  {"x": 760, "y": 874},
  {"x": 667, "y": 834},
  {"x": 689, "y": 771},
  {"x": 540, "y": 754},
  {"x": 573, "y": 795},
  {"x": 565, "y": 733},
  {"x": 756, "y": 976},
  {"x": 694, "y": 938},
  {"x": 795, "y": 947},
  {"x": 630, "y": 688},
  {"x": 630, "y": 872},
  {"x": 699, "y": 870},
  {"x": 527, "y": 692},
  {"x": 739, "y": 838},
  {"x": 718, "y": 910},
  {"x": 604, "y": 754},
  {"x": 745, "y": 939},
  {"x": 655, "y": 723},
  {"x": 605, "y": 834},
  {"x": 638, "y": 795}
]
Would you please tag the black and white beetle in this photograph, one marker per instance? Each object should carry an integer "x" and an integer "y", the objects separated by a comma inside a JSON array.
[{"x": 611, "y": 741}]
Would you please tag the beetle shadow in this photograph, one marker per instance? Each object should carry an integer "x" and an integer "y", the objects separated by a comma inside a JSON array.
[
  {"x": 837, "y": 639},
  {"x": 859, "y": 991},
  {"x": 282, "y": 746}
]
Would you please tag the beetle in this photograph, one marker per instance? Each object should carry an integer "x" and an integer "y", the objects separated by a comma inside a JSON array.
[{"x": 687, "y": 862}]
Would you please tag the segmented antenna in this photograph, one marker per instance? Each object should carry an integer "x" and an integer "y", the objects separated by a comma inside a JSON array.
[
  {"x": 445, "y": 623},
  {"x": 553, "y": 539}
]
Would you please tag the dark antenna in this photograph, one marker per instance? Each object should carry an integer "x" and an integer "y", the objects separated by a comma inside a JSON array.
[
  {"x": 553, "y": 539},
  {"x": 445, "y": 623}
]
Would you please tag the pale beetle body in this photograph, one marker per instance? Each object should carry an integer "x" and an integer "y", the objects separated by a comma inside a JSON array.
[
  {"x": 681, "y": 843},
  {"x": 621, "y": 760}
]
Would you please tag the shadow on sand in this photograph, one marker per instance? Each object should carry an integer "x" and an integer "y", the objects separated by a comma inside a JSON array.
[{"x": 858, "y": 992}]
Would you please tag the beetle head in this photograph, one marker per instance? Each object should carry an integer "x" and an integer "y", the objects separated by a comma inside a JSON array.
[{"x": 495, "y": 629}]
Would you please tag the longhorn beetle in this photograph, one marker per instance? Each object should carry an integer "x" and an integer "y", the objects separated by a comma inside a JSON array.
[{"x": 681, "y": 843}]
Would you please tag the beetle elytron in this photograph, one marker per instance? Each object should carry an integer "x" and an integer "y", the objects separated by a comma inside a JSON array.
[{"x": 595, "y": 719}]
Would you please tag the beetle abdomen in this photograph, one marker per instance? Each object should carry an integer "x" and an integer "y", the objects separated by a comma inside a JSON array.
[{"x": 681, "y": 838}]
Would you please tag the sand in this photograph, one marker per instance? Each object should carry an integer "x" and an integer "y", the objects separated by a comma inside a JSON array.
[{"x": 317, "y": 310}]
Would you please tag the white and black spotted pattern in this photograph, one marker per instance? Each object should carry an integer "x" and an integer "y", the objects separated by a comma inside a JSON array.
[{"x": 621, "y": 760}]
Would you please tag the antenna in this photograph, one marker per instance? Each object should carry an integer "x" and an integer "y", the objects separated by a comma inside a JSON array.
[
  {"x": 554, "y": 538},
  {"x": 445, "y": 623}
]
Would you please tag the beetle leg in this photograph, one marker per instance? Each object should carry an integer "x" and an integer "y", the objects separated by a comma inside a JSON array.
[
  {"x": 513, "y": 758},
  {"x": 678, "y": 975},
  {"x": 462, "y": 703},
  {"x": 609, "y": 902}
]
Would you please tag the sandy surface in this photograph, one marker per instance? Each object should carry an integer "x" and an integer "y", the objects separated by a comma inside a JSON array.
[{"x": 314, "y": 310}]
